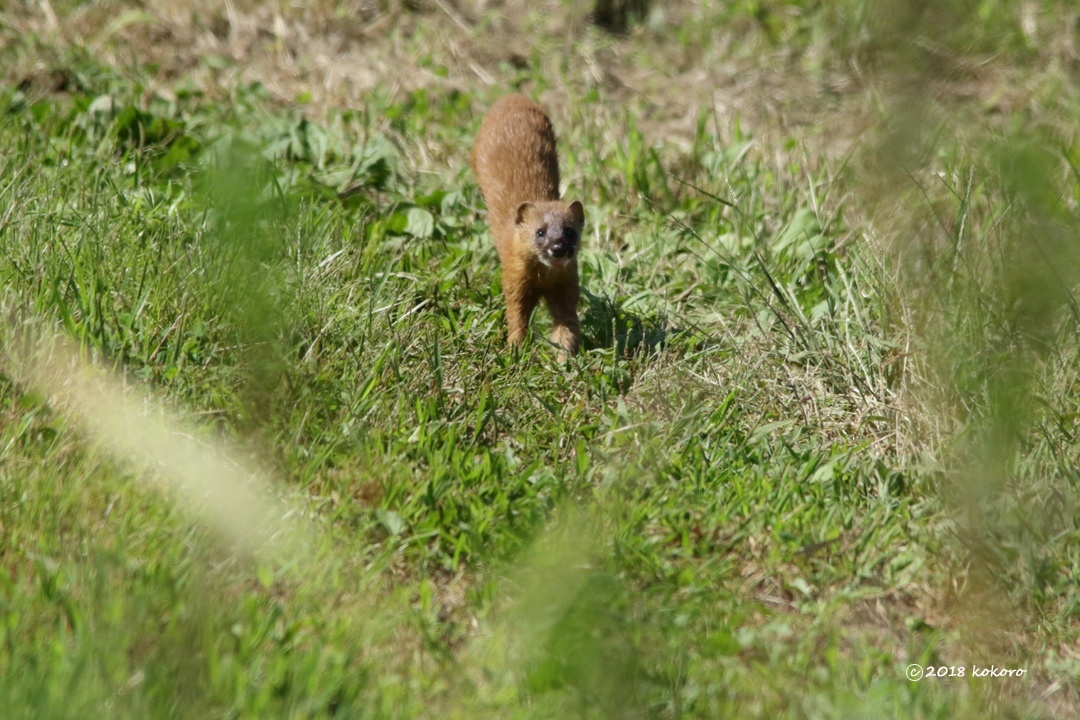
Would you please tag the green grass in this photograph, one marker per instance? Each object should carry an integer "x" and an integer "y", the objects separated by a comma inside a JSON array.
[{"x": 825, "y": 424}]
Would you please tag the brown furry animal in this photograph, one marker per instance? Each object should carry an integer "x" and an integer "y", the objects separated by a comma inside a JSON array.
[{"x": 537, "y": 235}]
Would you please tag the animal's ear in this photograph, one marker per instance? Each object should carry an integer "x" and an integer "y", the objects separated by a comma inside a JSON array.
[
  {"x": 578, "y": 212},
  {"x": 526, "y": 211}
]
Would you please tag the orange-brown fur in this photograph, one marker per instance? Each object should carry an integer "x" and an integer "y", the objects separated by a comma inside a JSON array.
[{"x": 518, "y": 171}]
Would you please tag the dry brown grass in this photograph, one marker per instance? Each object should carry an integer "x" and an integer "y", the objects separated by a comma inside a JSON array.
[
  {"x": 334, "y": 54},
  {"x": 325, "y": 55}
]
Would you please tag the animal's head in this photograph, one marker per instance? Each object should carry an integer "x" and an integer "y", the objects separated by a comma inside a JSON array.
[{"x": 553, "y": 229}]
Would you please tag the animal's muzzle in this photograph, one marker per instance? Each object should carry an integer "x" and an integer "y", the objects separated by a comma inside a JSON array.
[{"x": 562, "y": 250}]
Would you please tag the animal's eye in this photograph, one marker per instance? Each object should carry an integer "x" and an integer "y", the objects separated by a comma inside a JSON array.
[
  {"x": 540, "y": 233},
  {"x": 568, "y": 235}
]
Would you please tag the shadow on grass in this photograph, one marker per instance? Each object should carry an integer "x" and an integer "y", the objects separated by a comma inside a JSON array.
[{"x": 607, "y": 324}]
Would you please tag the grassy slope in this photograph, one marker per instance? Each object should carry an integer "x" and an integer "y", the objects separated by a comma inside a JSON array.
[{"x": 825, "y": 425}]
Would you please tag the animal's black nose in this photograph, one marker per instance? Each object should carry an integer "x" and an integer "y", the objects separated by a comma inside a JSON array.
[{"x": 563, "y": 250}]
